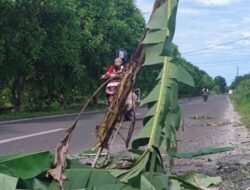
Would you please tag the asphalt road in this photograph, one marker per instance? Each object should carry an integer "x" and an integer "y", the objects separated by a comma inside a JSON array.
[{"x": 45, "y": 133}]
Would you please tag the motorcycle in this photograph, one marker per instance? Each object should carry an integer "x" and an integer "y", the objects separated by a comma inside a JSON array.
[
  {"x": 111, "y": 87},
  {"x": 131, "y": 101},
  {"x": 205, "y": 96}
]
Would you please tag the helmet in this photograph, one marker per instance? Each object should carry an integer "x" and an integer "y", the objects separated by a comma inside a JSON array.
[{"x": 122, "y": 54}]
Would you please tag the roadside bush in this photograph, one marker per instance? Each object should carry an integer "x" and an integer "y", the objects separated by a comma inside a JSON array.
[
  {"x": 241, "y": 98},
  {"x": 216, "y": 89},
  {"x": 242, "y": 92}
]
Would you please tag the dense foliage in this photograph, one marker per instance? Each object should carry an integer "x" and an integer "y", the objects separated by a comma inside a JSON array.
[
  {"x": 241, "y": 96},
  {"x": 49, "y": 48},
  {"x": 221, "y": 83},
  {"x": 238, "y": 79},
  {"x": 52, "y": 52}
]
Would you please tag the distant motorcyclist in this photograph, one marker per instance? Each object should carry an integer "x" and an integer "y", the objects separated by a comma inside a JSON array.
[{"x": 205, "y": 93}]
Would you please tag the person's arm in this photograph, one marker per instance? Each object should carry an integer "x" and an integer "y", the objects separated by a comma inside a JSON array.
[
  {"x": 108, "y": 72},
  {"x": 121, "y": 69}
]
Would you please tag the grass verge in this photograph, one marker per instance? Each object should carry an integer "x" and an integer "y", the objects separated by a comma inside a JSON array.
[{"x": 243, "y": 108}]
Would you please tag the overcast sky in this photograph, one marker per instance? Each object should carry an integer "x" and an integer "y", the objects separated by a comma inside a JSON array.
[{"x": 208, "y": 24}]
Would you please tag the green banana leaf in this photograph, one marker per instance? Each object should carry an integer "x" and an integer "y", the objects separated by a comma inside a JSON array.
[
  {"x": 34, "y": 184},
  {"x": 174, "y": 185},
  {"x": 203, "y": 151},
  {"x": 164, "y": 116},
  {"x": 25, "y": 166},
  {"x": 88, "y": 178},
  {"x": 155, "y": 37},
  {"x": 160, "y": 18},
  {"x": 137, "y": 168},
  {"x": 154, "y": 181},
  {"x": 115, "y": 187},
  {"x": 8, "y": 182},
  {"x": 193, "y": 180},
  {"x": 152, "y": 56}
]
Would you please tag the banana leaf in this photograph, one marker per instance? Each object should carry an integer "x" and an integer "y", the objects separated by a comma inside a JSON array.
[
  {"x": 8, "y": 182},
  {"x": 203, "y": 151},
  {"x": 34, "y": 183},
  {"x": 25, "y": 166},
  {"x": 197, "y": 181},
  {"x": 88, "y": 178}
]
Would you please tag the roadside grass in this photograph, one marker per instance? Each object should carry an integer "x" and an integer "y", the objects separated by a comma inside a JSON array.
[
  {"x": 241, "y": 98},
  {"x": 242, "y": 106},
  {"x": 67, "y": 110},
  {"x": 244, "y": 111}
]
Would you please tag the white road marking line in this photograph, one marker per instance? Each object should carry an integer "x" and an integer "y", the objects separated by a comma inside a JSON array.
[{"x": 30, "y": 135}]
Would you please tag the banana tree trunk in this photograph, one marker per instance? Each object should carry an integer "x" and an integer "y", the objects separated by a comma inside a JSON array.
[{"x": 107, "y": 125}]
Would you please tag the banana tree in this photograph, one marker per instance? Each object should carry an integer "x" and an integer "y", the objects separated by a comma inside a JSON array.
[
  {"x": 145, "y": 170},
  {"x": 164, "y": 116}
]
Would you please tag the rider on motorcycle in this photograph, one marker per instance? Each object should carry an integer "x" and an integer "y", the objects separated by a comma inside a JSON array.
[
  {"x": 205, "y": 93},
  {"x": 113, "y": 71}
]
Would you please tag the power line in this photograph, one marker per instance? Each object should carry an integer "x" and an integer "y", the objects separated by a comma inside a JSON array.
[
  {"x": 245, "y": 51},
  {"x": 217, "y": 45},
  {"x": 224, "y": 61},
  {"x": 222, "y": 65}
]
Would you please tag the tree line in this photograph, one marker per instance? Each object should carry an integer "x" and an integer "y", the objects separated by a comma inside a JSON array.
[
  {"x": 241, "y": 96},
  {"x": 202, "y": 79},
  {"x": 241, "y": 90},
  {"x": 53, "y": 52}
]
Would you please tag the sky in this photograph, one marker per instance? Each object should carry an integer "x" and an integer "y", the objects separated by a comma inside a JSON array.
[{"x": 212, "y": 34}]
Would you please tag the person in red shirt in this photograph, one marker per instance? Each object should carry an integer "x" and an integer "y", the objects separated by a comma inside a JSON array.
[{"x": 112, "y": 71}]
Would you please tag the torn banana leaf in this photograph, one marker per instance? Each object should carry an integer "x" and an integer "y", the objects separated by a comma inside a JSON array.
[{"x": 203, "y": 151}]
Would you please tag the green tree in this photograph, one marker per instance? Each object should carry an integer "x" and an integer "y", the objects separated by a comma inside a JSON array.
[
  {"x": 221, "y": 82},
  {"x": 106, "y": 26},
  {"x": 21, "y": 40},
  {"x": 57, "y": 73},
  {"x": 238, "y": 79},
  {"x": 49, "y": 48},
  {"x": 40, "y": 48}
]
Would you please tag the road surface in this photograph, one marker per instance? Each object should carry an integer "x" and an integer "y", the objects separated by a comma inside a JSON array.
[{"x": 44, "y": 134}]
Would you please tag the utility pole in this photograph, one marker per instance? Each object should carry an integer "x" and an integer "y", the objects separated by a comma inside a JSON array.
[{"x": 237, "y": 71}]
